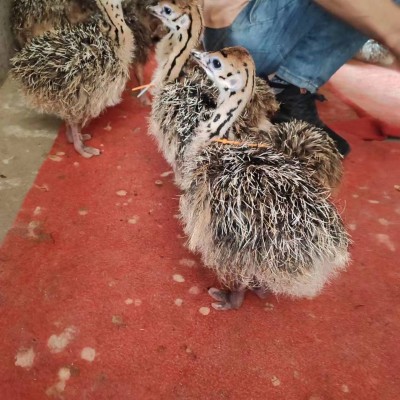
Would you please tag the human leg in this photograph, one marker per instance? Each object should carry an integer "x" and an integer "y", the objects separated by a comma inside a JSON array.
[
  {"x": 302, "y": 43},
  {"x": 328, "y": 45},
  {"x": 267, "y": 28}
]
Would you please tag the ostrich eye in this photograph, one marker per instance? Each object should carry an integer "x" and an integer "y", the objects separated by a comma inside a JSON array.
[
  {"x": 216, "y": 63},
  {"x": 167, "y": 10}
]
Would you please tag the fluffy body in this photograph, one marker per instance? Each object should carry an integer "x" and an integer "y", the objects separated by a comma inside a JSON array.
[
  {"x": 259, "y": 221},
  {"x": 77, "y": 71},
  {"x": 311, "y": 146},
  {"x": 252, "y": 208},
  {"x": 30, "y": 18},
  {"x": 74, "y": 73}
]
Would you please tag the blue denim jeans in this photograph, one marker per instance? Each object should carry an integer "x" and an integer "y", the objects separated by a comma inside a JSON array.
[{"x": 298, "y": 40}]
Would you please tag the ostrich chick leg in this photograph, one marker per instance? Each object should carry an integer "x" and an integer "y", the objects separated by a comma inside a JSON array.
[
  {"x": 262, "y": 293},
  {"x": 138, "y": 70},
  {"x": 227, "y": 299},
  {"x": 78, "y": 138},
  {"x": 68, "y": 132}
]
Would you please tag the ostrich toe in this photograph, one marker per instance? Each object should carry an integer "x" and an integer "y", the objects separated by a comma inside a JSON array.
[
  {"x": 227, "y": 299},
  {"x": 78, "y": 139},
  {"x": 262, "y": 293}
]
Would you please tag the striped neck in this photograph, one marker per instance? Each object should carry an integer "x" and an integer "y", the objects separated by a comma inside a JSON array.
[
  {"x": 230, "y": 106},
  {"x": 177, "y": 45},
  {"x": 113, "y": 15}
]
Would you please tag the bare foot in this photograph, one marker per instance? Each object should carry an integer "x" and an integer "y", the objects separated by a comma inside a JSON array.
[
  {"x": 262, "y": 293},
  {"x": 227, "y": 299},
  {"x": 70, "y": 138},
  {"x": 86, "y": 151},
  {"x": 145, "y": 100},
  {"x": 68, "y": 133},
  {"x": 78, "y": 139}
]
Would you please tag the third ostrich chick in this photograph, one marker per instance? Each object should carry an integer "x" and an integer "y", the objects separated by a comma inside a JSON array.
[
  {"x": 78, "y": 71},
  {"x": 256, "y": 216},
  {"x": 184, "y": 95}
]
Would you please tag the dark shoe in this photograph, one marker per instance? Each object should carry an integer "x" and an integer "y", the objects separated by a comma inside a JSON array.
[{"x": 300, "y": 104}]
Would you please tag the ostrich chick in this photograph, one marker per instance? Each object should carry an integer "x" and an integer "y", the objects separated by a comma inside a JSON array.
[
  {"x": 257, "y": 217},
  {"x": 184, "y": 95},
  {"x": 31, "y": 18},
  {"x": 78, "y": 71}
]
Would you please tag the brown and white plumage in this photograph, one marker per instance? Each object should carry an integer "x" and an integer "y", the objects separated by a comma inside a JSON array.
[
  {"x": 153, "y": 25},
  {"x": 311, "y": 146},
  {"x": 259, "y": 219},
  {"x": 141, "y": 32},
  {"x": 78, "y": 71},
  {"x": 183, "y": 94},
  {"x": 31, "y": 18}
]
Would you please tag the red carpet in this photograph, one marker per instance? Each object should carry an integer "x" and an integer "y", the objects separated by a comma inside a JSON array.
[{"x": 95, "y": 267}]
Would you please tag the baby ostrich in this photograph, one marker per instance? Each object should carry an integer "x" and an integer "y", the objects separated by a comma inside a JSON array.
[
  {"x": 257, "y": 217},
  {"x": 78, "y": 71},
  {"x": 33, "y": 18},
  {"x": 183, "y": 93}
]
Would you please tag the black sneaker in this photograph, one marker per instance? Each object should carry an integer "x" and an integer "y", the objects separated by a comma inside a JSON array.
[{"x": 300, "y": 104}]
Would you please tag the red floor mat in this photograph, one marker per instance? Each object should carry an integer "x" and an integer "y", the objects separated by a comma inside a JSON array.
[{"x": 100, "y": 300}]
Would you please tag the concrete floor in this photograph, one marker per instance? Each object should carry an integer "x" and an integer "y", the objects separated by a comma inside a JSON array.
[
  {"x": 25, "y": 139},
  {"x": 6, "y": 39}
]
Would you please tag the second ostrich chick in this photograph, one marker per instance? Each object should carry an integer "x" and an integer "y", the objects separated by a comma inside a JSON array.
[
  {"x": 259, "y": 220},
  {"x": 78, "y": 71},
  {"x": 185, "y": 95}
]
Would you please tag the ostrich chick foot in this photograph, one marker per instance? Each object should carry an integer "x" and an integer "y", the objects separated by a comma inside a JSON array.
[
  {"x": 138, "y": 70},
  {"x": 261, "y": 292},
  {"x": 227, "y": 299},
  {"x": 145, "y": 100},
  {"x": 77, "y": 138},
  {"x": 70, "y": 138}
]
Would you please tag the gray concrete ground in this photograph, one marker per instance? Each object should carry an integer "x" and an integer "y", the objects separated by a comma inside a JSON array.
[
  {"x": 6, "y": 41},
  {"x": 25, "y": 139}
]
